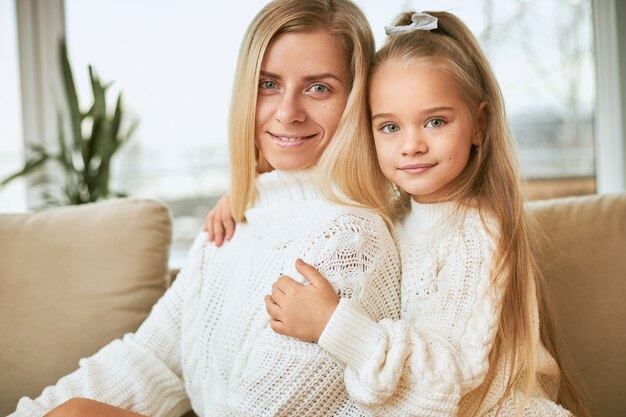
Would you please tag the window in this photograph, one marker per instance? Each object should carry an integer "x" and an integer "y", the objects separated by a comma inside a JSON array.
[
  {"x": 542, "y": 54},
  {"x": 13, "y": 196},
  {"x": 174, "y": 62}
]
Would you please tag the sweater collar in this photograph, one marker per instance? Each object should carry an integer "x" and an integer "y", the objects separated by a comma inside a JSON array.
[
  {"x": 280, "y": 187},
  {"x": 284, "y": 195},
  {"x": 425, "y": 216}
]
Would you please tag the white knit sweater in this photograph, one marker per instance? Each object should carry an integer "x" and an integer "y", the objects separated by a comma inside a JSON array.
[
  {"x": 433, "y": 361},
  {"x": 207, "y": 342}
]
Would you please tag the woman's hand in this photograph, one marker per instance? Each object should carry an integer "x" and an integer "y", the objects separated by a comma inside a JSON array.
[
  {"x": 219, "y": 223},
  {"x": 301, "y": 311}
]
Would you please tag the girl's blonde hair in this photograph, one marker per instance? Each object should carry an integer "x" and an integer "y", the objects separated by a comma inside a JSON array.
[
  {"x": 491, "y": 181},
  {"x": 348, "y": 168}
]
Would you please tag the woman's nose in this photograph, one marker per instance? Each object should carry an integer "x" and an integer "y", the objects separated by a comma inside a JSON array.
[{"x": 290, "y": 109}]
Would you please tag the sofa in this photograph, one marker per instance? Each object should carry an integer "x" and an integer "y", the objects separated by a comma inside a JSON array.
[{"x": 74, "y": 278}]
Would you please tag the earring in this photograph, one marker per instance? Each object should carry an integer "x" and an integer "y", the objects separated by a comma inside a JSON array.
[{"x": 475, "y": 148}]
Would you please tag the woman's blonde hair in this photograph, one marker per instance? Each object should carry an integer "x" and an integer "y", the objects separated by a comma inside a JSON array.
[
  {"x": 348, "y": 167},
  {"x": 491, "y": 180}
]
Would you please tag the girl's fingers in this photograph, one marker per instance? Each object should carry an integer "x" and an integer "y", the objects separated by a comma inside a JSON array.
[
  {"x": 287, "y": 284},
  {"x": 208, "y": 227},
  {"x": 218, "y": 231},
  {"x": 226, "y": 216},
  {"x": 272, "y": 308},
  {"x": 277, "y": 326},
  {"x": 277, "y": 293},
  {"x": 229, "y": 225},
  {"x": 310, "y": 273}
]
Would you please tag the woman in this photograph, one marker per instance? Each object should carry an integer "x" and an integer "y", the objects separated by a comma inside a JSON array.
[{"x": 298, "y": 112}]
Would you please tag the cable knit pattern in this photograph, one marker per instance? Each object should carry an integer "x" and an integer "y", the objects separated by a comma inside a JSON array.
[
  {"x": 207, "y": 343},
  {"x": 433, "y": 361}
]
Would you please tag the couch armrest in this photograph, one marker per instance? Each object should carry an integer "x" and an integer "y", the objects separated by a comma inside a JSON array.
[
  {"x": 71, "y": 280},
  {"x": 584, "y": 261}
]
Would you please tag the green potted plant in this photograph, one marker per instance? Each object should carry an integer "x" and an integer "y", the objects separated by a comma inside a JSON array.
[{"x": 85, "y": 156}]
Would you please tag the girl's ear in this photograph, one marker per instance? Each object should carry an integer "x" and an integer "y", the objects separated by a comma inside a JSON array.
[{"x": 481, "y": 123}]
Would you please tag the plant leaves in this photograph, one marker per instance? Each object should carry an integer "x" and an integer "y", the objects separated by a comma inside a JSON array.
[
  {"x": 76, "y": 118},
  {"x": 30, "y": 165}
]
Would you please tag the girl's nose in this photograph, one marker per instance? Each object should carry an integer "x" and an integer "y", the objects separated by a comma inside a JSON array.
[
  {"x": 290, "y": 109},
  {"x": 414, "y": 143}
]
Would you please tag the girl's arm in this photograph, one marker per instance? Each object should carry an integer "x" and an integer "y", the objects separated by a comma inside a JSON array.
[
  {"x": 140, "y": 372},
  {"x": 422, "y": 364},
  {"x": 219, "y": 223}
]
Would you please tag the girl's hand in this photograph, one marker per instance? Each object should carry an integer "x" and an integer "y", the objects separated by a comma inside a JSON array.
[
  {"x": 301, "y": 311},
  {"x": 219, "y": 223}
]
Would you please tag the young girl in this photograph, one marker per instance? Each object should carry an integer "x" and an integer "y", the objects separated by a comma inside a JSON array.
[
  {"x": 473, "y": 338},
  {"x": 298, "y": 103}
]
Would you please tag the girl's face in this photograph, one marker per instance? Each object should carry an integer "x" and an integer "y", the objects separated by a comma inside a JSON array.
[
  {"x": 423, "y": 130},
  {"x": 303, "y": 89}
]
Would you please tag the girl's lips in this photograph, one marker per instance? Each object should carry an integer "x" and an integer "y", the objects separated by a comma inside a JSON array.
[
  {"x": 290, "y": 141},
  {"x": 416, "y": 168}
]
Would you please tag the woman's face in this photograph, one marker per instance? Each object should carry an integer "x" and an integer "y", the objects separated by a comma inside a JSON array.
[{"x": 303, "y": 89}]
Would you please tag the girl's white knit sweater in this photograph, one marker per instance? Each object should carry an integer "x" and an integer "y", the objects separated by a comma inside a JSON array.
[
  {"x": 433, "y": 361},
  {"x": 207, "y": 342}
]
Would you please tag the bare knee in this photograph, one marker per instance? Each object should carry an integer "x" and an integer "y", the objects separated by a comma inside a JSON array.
[
  {"x": 72, "y": 408},
  {"x": 83, "y": 407}
]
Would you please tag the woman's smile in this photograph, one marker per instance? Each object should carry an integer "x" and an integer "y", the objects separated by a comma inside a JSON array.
[{"x": 290, "y": 141}]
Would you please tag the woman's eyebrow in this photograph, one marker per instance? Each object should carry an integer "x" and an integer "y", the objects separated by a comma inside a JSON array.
[
  {"x": 321, "y": 76},
  {"x": 307, "y": 78},
  {"x": 269, "y": 74}
]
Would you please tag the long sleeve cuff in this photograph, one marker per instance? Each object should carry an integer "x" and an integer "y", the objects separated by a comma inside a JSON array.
[{"x": 351, "y": 336}]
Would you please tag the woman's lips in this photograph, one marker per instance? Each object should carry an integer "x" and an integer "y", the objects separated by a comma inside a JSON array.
[
  {"x": 290, "y": 141},
  {"x": 416, "y": 168}
]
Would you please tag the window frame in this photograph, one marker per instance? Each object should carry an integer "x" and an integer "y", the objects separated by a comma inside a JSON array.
[{"x": 609, "y": 128}]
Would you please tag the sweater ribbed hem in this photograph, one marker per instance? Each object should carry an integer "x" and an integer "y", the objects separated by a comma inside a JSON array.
[
  {"x": 350, "y": 335},
  {"x": 436, "y": 405}
]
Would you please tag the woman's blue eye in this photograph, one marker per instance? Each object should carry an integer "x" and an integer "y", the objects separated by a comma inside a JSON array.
[
  {"x": 267, "y": 85},
  {"x": 319, "y": 88},
  {"x": 390, "y": 128},
  {"x": 436, "y": 122}
]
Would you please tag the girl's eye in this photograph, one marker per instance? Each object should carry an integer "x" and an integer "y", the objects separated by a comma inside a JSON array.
[
  {"x": 435, "y": 122},
  {"x": 319, "y": 88},
  {"x": 268, "y": 85},
  {"x": 390, "y": 128}
]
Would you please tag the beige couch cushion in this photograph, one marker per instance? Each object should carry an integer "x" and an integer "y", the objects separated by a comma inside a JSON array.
[
  {"x": 585, "y": 263},
  {"x": 71, "y": 280}
]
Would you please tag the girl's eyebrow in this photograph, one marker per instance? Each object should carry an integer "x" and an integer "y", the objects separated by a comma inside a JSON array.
[
  {"x": 307, "y": 78},
  {"x": 423, "y": 112},
  {"x": 437, "y": 109},
  {"x": 381, "y": 116}
]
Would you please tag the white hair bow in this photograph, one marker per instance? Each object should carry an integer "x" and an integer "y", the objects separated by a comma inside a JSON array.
[{"x": 420, "y": 21}]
